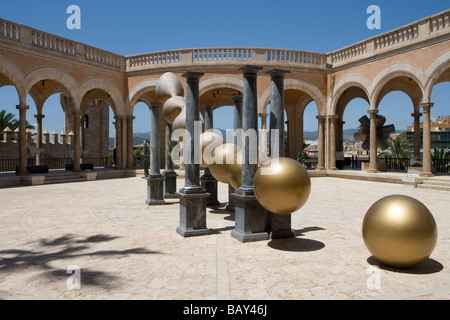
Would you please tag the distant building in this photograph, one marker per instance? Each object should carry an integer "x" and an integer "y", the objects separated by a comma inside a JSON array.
[{"x": 440, "y": 132}]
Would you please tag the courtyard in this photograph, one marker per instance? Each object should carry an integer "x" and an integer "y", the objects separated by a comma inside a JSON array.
[{"x": 127, "y": 250}]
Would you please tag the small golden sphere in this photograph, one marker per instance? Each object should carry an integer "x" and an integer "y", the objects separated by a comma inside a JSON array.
[
  {"x": 222, "y": 156},
  {"x": 399, "y": 231},
  {"x": 235, "y": 169},
  {"x": 209, "y": 141},
  {"x": 282, "y": 186}
]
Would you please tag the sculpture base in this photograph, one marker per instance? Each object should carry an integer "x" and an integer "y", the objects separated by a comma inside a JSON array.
[
  {"x": 231, "y": 202},
  {"x": 155, "y": 190},
  {"x": 170, "y": 185},
  {"x": 251, "y": 220},
  {"x": 210, "y": 185},
  {"x": 193, "y": 215},
  {"x": 280, "y": 226}
]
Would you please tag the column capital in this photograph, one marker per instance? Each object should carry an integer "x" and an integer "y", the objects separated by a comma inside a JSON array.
[
  {"x": 237, "y": 100},
  {"x": 155, "y": 104},
  {"x": 76, "y": 113},
  {"x": 130, "y": 117},
  {"x": 192, "y": 75},
  {"x": 427, "y": 106},
  {"x": 208, "y": 106},
  {"x": 416, "y": 115},
  {"x": 22, "y": 107},
  {"x": 277, "y": 73},
  {"x": 373, "y": 113},
  {"x": 263, "y": 115},
  {"x": 39, "y": 116},
  {"x": 333, "y": 118},
  {"x": 117, "y": 118},
  {"x": 250, "y": 69},
  {"x": 321, "y": 118}
]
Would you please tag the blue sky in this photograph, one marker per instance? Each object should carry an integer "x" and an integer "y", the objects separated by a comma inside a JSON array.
[{"x": 132, "y": 27}]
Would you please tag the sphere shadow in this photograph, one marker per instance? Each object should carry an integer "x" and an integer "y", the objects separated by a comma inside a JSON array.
[
  {"x": 428, "y": 266},
  {"x": 296, "y": 245}
]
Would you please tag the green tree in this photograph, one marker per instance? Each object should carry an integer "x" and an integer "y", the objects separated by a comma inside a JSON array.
[
  {"x": 440, "y": 154},
  {"x": 7, "y": 120},
  {"x": 398, "y": 148}
]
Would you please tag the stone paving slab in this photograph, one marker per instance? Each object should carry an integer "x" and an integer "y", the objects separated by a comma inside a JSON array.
[{"x": 127, "y": 250}]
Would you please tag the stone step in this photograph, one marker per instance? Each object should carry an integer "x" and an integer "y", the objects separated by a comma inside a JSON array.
[
  {"x": 63, "y": 178},
  {"x": 433, "y": 187},
  {"x": 437, "y": 183}
]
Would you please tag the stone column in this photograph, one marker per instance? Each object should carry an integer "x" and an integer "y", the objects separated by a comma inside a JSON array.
[
  {"x": 22, "y": 170},
  {"x": 416, "y": 116},
  {"x": 279, "y": 225},
  {"x": 77, "y": 141},
  {"x": 208, "y": 182},
  {"x": 192, "y": 195},
  {"x": 119, "y": 144},
  {"x": 332, "y": 158},
  {"x": 373, "y": 168},
  {"x": 170, "y": 181},
  {"x": 237, "y": 127},
  {"x": 427, "y": 172},
  {"x": 155, "y": 180},
  {"x": 321, "y": 146},
  {"x": 130, "y": 144},
  {"x": 263, "y": 143},
  {"x": 250, "y": 218},
  {"x": 38, "y": 136}
]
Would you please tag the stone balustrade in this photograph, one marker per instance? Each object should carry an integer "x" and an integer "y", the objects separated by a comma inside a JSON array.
[
  {"x": 52, "y": 42},
  {"x": 404, "y": 34},
  {"x": 440, "y": 21},
  {"x": 103, "y": 57},
  {"x": 9, "y": 29}
]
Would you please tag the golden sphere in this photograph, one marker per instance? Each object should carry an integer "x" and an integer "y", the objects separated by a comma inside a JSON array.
[
  {"x": 282, "y": 186},
  {"x": 399, "y": 231},
  {"x": 172, "y": 108},
  {"x": 209, "y": 141},
  {"x": 222, "y": 156},
  {"x": 168, "y": 86},
  {"x": 235, "y": 169}
]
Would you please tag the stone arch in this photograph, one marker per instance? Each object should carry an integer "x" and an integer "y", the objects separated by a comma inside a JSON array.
[
  {"x": 50, "y": 73},
  {"x": 221, "y": 82},
  {"x": 396, "y": 70},
  {"x": 113, "y": 96},
  {"x": 13, "y": 75},
  {"x": 295, "y": 84},
  {"x": 138, "y": 91},
  {"x": 353, "y": 81},
  {"x": 434, "y": 71}
]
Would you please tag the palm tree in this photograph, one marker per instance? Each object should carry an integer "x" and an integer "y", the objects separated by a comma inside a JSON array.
[
  {"x": 441, "y": 157},
  {"x": 6, "y": 121},
  {"x": 400, "y": 148}
]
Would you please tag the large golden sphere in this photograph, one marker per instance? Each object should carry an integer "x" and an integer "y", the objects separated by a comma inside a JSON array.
[
  {"x": 209, "y": 141},
  {"x": 172, "y": 108},
  {"x": 399, "y": 231},
  {"x": 222, "y": 156},
  {"x": 168, "y": 86},
  {"x": 235, "y": 169},
  {"x": 282, "y": 186}
]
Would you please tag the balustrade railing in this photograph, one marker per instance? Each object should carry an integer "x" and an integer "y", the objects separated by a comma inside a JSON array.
[
  {"x": 440, "y": 21},
  {"x": 102, "y": 56},
  {"x": 9, "y": 29},
  {"x": 9, "y": 165},
  {"x": 223, "y": 54},
  {"x": 155, "y": 58},
  {"x": 295, "y": 56},
  {"x": 52, "y": 42},
  {"x": 400, "y": 35}
]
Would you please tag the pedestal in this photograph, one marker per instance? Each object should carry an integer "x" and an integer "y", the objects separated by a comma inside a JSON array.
[
  {"x": 170, "y": 185},
  {"x": 231, "y": 203},
  {"x": 193, "y": 215},
  {"x": 281, "y": 226},
  {"x": 251, "y": 220},
  {"x": 210, "y": 185},
  {"x": 155, "y": 190}
]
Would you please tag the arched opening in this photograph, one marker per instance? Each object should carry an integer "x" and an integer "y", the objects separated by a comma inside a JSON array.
[
  {"x": 141, "y": 135},
  {"x": 9, "y": 121},
  {"x": 351, "y": 117}
]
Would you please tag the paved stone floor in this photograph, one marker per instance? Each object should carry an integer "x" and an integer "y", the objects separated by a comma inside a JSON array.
[{"x": 127, "y": 250}]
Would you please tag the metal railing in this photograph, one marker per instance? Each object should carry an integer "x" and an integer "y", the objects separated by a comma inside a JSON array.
[{"x": 10, "y": 165}]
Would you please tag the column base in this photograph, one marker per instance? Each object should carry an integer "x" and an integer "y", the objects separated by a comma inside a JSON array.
[
  {"x": 193, "y": 215},
  {"x": 427, "y": 174},
  {"x": 170, "y": 184},
  {"x": 155, "y": 190},
  {"x": 250, "y": 220},
  {"x": 210, "y": 185}
]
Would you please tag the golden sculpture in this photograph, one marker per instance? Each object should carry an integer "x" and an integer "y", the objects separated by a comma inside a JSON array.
[
  {"x": 209, "y": 141},
  {"x": 235, "y": 169},
  {"x": 399, "y": 231},
  {"x": 172, "y": 108},
  {"x": 283, "y": 187},
  {"x": 222, "y": 156}
]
